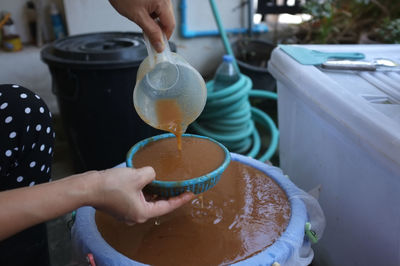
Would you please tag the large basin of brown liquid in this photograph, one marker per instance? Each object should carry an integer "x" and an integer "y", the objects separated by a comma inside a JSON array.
[
  {"x": 242, "y": 215},
  {"x": 199, "y": 156}
]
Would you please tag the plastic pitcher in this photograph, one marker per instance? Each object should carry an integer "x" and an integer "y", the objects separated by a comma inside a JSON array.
[{"x": 169, "y": 93}]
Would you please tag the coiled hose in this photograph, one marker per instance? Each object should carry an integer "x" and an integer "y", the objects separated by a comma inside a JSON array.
[{"x": 228, "y": 116}]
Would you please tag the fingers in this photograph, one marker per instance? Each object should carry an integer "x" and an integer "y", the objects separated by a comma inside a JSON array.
[
  {"x": 152, "y": 30},
  {"x": 162, "y": 207},
  {"x": 167, "y": 19},
  {"x": 144, "y": 176},
  {"x": 143, "y": 12}
]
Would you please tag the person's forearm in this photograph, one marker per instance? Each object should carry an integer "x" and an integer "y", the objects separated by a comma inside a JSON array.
[
  {"x": 117, "y": 191},
  {"x": 25, "y": 207}
]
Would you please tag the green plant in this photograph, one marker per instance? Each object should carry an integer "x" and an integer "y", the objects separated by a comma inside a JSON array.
[
  {"x": 390, "y": 31},
  {"x": 345, "y": 21}
]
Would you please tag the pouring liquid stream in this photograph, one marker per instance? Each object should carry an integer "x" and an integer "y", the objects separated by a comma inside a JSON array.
[
  {"x": 170, "y": 119},
  {"x": 169, "y": 116}
]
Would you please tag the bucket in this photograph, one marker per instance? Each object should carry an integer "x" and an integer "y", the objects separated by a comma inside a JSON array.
[
  {"x": 93, "y": 77},
  {"x": 292, "y": 248},
  {"x": 252, "y": 57}
]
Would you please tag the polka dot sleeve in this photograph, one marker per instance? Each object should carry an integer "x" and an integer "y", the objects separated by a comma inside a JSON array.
[{"x": 26, "y": 138}]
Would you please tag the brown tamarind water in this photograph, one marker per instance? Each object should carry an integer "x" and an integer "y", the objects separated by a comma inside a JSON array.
[{"x": 242, "y": 215}]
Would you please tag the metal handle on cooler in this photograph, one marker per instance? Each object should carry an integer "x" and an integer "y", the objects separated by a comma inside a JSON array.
[{"x": 348, "y": 65}]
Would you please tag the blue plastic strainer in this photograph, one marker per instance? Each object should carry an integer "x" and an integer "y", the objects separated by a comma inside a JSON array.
[{"x": 196, "y": 185}]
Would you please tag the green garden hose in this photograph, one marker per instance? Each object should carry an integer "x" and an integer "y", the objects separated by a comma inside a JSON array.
[{"x": 228, "y": 116}]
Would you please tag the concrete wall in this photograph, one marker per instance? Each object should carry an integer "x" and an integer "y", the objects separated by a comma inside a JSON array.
[
  {"x": 204, "y": 53},
  {"x": 84, "y": 16}
]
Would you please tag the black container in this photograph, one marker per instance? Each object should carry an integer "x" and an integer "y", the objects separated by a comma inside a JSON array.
[
  {"x": 93, "y": 77},
  {"x": 252, "y": 57}
]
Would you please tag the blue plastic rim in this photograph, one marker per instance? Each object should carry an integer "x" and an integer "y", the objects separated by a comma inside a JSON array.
[{"x": 196, "y": 185}]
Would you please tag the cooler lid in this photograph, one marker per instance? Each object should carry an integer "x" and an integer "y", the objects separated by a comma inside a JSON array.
[
  {"x": 100, "y": 50},
  {"x": 364, "y": 103}
]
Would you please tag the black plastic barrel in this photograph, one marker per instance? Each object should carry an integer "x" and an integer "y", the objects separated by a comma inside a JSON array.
[
  {"x": 93, "y": 77},
  {"x": 252, "y": 57}
]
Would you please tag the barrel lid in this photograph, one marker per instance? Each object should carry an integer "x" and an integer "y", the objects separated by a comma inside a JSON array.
[{"x": 97, "y": 50}]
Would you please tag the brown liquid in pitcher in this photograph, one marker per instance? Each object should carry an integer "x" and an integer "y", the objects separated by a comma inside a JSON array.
[
  {"x": 170, "y": 117},
  {"x": 198, "y": 157},
  {"x": 238, "y": 218}
]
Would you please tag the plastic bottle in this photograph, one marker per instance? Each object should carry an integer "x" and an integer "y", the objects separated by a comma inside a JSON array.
[
  {"x": 226, "y": 74},
  {"x": 56, "y": 20},
  {"x": 169, "y": 93}
]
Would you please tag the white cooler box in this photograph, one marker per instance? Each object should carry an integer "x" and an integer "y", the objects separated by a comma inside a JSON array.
[{"x": 341, "y": 130}]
